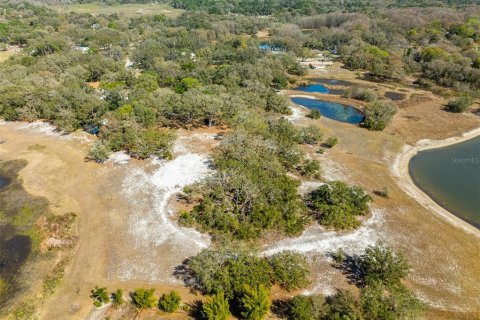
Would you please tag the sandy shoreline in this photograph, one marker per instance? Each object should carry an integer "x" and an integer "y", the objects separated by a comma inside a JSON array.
[{"x": 405, "y": 181}]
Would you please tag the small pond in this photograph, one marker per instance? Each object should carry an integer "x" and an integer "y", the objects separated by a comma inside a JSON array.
[
  {"x": 268, "y": 47},
  {"x": 3, "y": 182},
  {"x": 451, "y": 176},
  {"x": 319, "y": 88},
  {"x": 316, "y": 87},
  {"x": 332, "y": 110}
]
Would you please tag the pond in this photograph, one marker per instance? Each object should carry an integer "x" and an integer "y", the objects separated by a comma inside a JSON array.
[
  {"x": 319, "y": 87},
  {"x": 332, "y": 110},
  {"x": 3, "y": 181},
  {"x": 316, "y": 87},
  {"x": 268, "y": 47},
  {"x": 451, "y": 177}
]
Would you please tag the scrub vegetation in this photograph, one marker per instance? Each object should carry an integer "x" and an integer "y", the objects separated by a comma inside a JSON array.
[{"x": 133, "y": 80}]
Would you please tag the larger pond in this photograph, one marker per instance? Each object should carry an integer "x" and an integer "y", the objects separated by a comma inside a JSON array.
[
  {"x": 451, "y": 176},
  {"x": 332, "y": 110}
]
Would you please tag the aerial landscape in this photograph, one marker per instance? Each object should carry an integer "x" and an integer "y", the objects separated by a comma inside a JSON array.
[{"x": 240, "y": 159}]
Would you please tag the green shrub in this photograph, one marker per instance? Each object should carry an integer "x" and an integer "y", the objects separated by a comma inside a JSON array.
[
  {"x": 310, "y": 135},
  {"x": 216, "y": 307},
  {"x": 460, "y": 104},
  {"x": 300, "y": 308},
  {"x": 170, "y": 302},
  {"x": 290, "y": 270},
  {"x": 314, "y": 114},
  {"x": 99, "y": 152},
  {"x": 144, "y": 298},
  {"x": 330, "y": 142},
  {"x": 360, "y": 94},
  {"x": 311, "y": 168},
  {"x": 384, "y": 193},
  {"x": 223, "y": 270},
  {"x": 379, "y": 264},
  {"x": 378, "y": 115},
  {"x": 379, "y": 302},
  {"x": 117, "y": 298},
  {"x": 338, "y": 204},
  {"x": 99, "y": 296},
  {"x": 343, "y": 305},
  {"x": 255, "y": 302}
]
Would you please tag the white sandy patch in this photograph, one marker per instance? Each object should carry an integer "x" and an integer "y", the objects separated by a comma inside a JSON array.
[
  {"x": 308, "y": 186},
  {"x": 158, "y": 242},
  {"x": 303, "y": 96},
  {"x": 333, "y": 171},
  {"x": 400, "y": 170},
  {"x": 297, "y": 114},
  {"x": 318, "y": 239},
  {"x": 40, "y": 127},
  {"x": 120, "y": 157}
]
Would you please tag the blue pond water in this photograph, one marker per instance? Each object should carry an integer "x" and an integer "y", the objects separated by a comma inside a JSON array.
[
  {"x": 268, "y": 47},
  {"x": 332, "y": 110},
  {"x": 3, "y": 182},
  {"x": 317, "y": 87}
]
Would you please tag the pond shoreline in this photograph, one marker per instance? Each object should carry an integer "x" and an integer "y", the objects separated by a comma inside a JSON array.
[{"x": 400, "y": 169}]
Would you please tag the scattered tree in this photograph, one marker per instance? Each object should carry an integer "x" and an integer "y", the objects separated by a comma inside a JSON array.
[
  {"x": 99, "y": 296},
  {"x": 170, "y": 302},
  {"x": 380, "y": 264},
  {"x": 378, "y": 115},
  {"x": 460, "y": 104},
  {"x": 216, "y": 307},
  {"x": 255, "y": 302},
  {"x": 338, "y": 204},
  {"x": 290, "y": 270},
  {"x": 144, "y": 298}
]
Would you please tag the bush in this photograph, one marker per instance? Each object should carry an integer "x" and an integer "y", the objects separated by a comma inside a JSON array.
[
  {"x": 343, "y": 305},
  {"x": 290, "y": 270},
  {"x": 314, "y": 114},
  {"x": 339, "y": 204},
  {"x": 99, "y": 296},
  {"x": 170, "y": 302},
  {"x": 379, "y": 264},
  {"x": 311, "y": 168},
  {"x": 378, "y": 115},
  {"x": 384, "y": 193},
  {"x": 255, "y": 302},
  {"x": 330, "y": 142},
  {"x": 300, "y": 308},
  {"x": 216, "y": 307},
  {"x": 99, "y": 152},
  {"x": 398, "y": 303},
  {"x": 360, "y": 94},
  {"x": 117, "y": 298},
  {"x": 221, "y": 270},
  {"x": 310, "y": 135},
  {"x": 143, "y": 298},
  {"x": 460, "y": 104}
]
